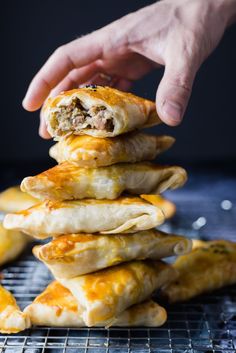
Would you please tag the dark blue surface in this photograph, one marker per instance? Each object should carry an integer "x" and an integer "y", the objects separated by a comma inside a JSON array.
[{"x": 202, "y": 197}]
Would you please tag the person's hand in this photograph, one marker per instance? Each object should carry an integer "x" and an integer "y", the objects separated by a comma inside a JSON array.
[{"x": 178, "y": 34}]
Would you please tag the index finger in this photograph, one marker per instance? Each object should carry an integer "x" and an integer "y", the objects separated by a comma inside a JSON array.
[{"x": 77, "y": 53}]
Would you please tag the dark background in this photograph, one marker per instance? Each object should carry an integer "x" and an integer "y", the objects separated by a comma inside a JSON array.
[{"x": 32, "y": 30}]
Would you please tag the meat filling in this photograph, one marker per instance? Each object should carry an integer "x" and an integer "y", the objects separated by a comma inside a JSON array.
[{"x": 75, "y": 117}]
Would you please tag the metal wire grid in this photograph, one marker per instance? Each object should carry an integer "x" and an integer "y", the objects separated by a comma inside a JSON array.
[{"x": 206, "y": 324}]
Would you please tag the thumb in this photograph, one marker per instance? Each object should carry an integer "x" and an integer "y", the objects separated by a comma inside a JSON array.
[{"x": 174, "y": 91}]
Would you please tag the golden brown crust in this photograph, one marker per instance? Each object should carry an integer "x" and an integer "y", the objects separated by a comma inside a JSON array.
[
  {"x": 77, "y": 254},
  {"x": 56, "y": 306},
  {"x": 66, "y": 244},
  {"x": 128, "y": 111},
  {"x": 67, "y": 181},
  {"x": 12, "y": 243},
  {"x": 107, "y": 293},
  {"x": 123, "y": 200},
  {"x": 100, "y": 285},
  {"x": 113, "y": 97},
  {"x": 6, "y": 299},
  {"x": 58, "y": 296},
  {"x": 92, "y": 152},
  {"x": 209, "y": 266},
  {"x": 54, "y": 218},
  {"x": 12, "y": 320},
  {"x": 167, "y": 206},
  {"x": 13, "y": 200}
]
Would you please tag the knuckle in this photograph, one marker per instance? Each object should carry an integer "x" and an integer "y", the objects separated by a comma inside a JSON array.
[
  {"x": 46, "y": 83},
  {"x": 115, "y": 36},
  {"x": 184, "y": 84},
  {"x": 99, "y": 65},
  {"x": 182, "y": 81},
  {"x": 62, "y": 52}
]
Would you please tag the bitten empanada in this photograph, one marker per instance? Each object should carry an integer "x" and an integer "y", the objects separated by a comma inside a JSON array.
[
  {"x": 92, "y": 152},
  {"x": 12, "y": 243},
  {"x": 67, "y": 181},
  {"x": 105, "y": 294},
  {"x": 12, "y": 320},
  {"x": 98, "y": 111},
  {"x": 209, "y": 266},
  {"x": 77, "y": 254},
  {"x": 57, "y": 307},
  {"x": 14, "y": 200},
  {"x": 124, "y": 215}
]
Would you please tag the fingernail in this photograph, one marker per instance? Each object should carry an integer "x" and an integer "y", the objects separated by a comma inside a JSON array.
[{"x": 172, "y": 111}]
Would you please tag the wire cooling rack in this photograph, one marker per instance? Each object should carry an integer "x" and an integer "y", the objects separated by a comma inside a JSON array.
[{"x": 206, "y": 324}]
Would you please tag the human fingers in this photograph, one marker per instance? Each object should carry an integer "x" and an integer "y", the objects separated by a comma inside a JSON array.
[
  {"x": 43, "y": 132},
  {"x": 174, "y": 90},
  {"x": 75, "y": 78},
  {"x": 76, "y": 54}
]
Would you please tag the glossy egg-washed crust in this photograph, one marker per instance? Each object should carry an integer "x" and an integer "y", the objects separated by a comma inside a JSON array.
[
  {"x": 77, "y": 254},
  {"x": 92, "y": 152},
  {"x": 168, "y": 207},
  {"x": 54, "y": 218},
  {"x": 209, "y": 266},
  {"x": 56, "y": 306},
  {"x": 12, "y": 320},
  {"x": 12, "y": 243},
  {"x": 67, "y": 181},
  {"x": 107, "y": 293},
  {"x": 128, "y": 111},
  {"x": 14, "y": 200}
]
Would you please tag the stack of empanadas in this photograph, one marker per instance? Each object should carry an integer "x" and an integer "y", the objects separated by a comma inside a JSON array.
[{"x": 101, "y": 205}]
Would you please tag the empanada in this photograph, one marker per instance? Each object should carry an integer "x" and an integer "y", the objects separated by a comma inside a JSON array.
[
  {"x": 67, "y": 181},
  {"x": 98, "y": 111},
  {"x": 77, "y": 254},
  {"x": 12, "y": 243},
  {"x": 167, "y": 206},
  {"x": 124, "y": 215},
  {"x": 210, "y": 265},
  {"x": 91, "y": 152},
  {"x": 12, "y": 320},
  {"x": 56, "y": 306},
  {"x": 105, "y": 294},
  {"x": 13, "y": 200}
]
